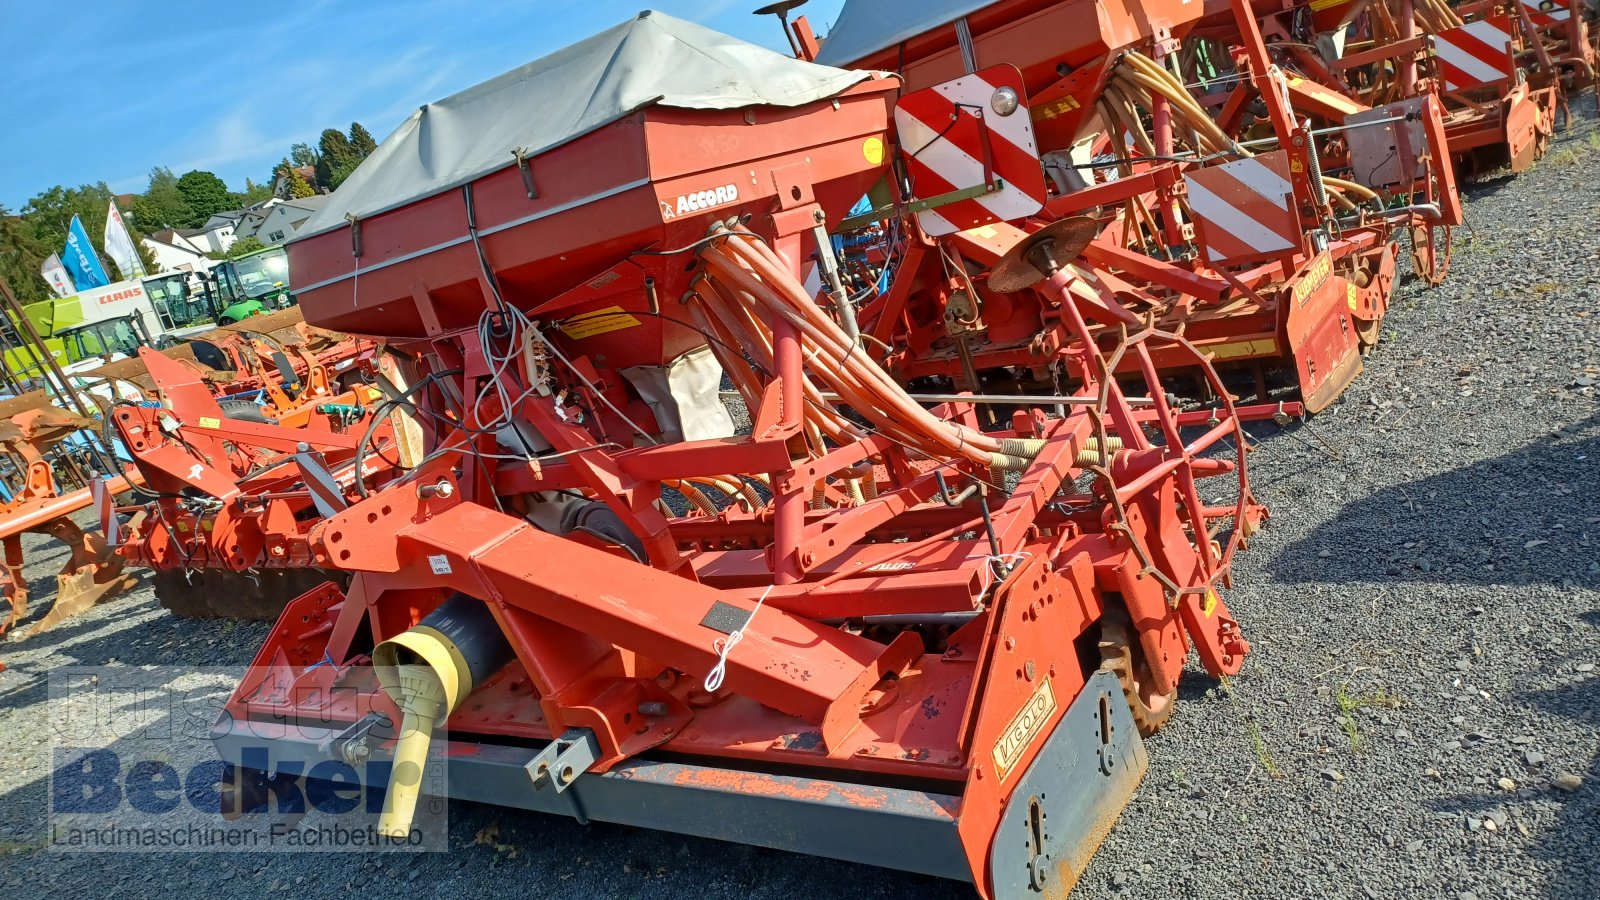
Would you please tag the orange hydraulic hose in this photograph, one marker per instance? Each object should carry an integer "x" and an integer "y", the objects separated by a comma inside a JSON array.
[
  {"x": 855, "y": 394},
  {"x": 812, "y": 322},
  {"x": 740, "y": 307}
]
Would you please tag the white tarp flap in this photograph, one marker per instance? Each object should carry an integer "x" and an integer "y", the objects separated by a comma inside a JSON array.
[
  {"x": 653, "y": 58},
  {"x": 867, "y": 26}
]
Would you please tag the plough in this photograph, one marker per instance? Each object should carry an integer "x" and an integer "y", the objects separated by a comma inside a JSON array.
[
  {"x": 864, "y": 627},
  {"x": 92, "y": 572}
]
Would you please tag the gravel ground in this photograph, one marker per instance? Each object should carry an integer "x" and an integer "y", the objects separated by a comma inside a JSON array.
[{"x": 1425, "y": 611}]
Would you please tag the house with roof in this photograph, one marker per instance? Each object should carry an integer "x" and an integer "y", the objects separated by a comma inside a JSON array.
[
  {"x": 274, "y": 221},
  {"x": 219, "y": 232},
  {"x": 179, "y": 251},
  {"x": 280, "y": 181}
]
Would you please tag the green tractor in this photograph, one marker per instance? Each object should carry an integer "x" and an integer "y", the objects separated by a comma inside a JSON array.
[{"x": 251, "y": 284}]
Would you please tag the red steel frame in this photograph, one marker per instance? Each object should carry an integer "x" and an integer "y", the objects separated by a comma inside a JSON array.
[
  {"x": 1487, "y": 127},
  {"x": 1317, "y": 306},
  {"x": 617, "y": 645}
]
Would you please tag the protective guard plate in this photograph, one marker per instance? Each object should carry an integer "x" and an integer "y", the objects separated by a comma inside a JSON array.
[
  {"x": 948, "y": 132},
  {"x": 1067, "y": 801}
]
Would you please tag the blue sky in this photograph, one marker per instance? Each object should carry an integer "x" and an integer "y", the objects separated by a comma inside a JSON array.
[{"x": 115, "y": 88}]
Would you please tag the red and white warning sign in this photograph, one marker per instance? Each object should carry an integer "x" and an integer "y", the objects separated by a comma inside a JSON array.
[
  {"x": 1474, "y": 55},
  {"x": 1547, "y": 13},
  {"x": 1244, "y": 210},
  {"x": 955, "y": 134}
]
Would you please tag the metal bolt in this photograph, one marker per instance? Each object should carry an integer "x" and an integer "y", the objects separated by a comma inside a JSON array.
[
  {"x": 441, "y": 488},
  {"x": 279, "y": 551},
  {"x": 1027, "y": 670}
]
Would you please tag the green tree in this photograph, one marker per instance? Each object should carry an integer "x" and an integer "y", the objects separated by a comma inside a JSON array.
[
  {"x": 255, "y": 193},
  {"x": 45, "y": 220},
  {"x": 21, "y": 255},
  {"x": 206, "y": 195},
  {"x": 303, "y": 155},
  {"x": 361, "y": 140},
  {"x": 299, "y": 187},
  {"x": 240, "y": 247},
  {"x": 338, "y": 158},
  {"x": 162, "y": 205},
  {"x": 49, "y": 214}
]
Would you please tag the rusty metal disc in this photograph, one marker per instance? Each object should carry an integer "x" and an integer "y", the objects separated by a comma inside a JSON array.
[{"x": 1061, "y": 242}]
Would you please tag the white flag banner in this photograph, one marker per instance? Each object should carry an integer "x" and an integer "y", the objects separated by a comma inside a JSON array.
[
  {"x": 119, "y": 245},
  {"x": 55, "y": 273}
]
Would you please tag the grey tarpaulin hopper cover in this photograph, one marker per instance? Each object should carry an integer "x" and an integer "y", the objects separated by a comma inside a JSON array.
[
  {"x": 867, "y": 26},
  {"x": 652, "y": 58}
]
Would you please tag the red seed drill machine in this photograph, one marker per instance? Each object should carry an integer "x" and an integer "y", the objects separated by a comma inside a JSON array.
[
  {"x": 1257, "y": 259},
  {"x": 859, "y": 626}
]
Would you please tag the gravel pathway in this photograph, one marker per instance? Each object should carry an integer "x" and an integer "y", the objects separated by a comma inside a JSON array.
[{"x": 1419, "y": 718}]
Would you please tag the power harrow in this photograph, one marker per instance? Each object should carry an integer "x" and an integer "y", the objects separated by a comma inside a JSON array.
[
  {"x": 265, "y": 369},
  {"x": 1259, "y": 259},
  {"x": 863, "y": 627},
  {"x": 222, "y": 536}
]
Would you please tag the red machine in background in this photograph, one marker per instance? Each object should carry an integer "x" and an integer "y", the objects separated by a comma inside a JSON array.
[
  {"x": 223, "y": 536},
  {"x": 1566, "y": 38},
  {"x": 886, "y": 635},
  {"x": 1499, "y": 83},
  {"x": 1256, "y": 260},
  {"x": 92, "y": 572}
]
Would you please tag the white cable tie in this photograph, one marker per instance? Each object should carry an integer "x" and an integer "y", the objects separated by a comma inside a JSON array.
[
  {"x": 724, "y": 646},
  {"x": 1002, "y": 558}
]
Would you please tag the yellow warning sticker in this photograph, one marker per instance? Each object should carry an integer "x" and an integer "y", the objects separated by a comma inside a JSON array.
[
  {"x": 1208, "y": 607},
  {"x": 1236, "y": 349},
  {"x": 208, "y": 422},
  {"x": 1352, "y": 296},
  {"x": 872, "y": 149},
  {"x": 601, "y": 321},
  {"x": 1024, "y": 727},
  {"x": 1056, "y": 108}
]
